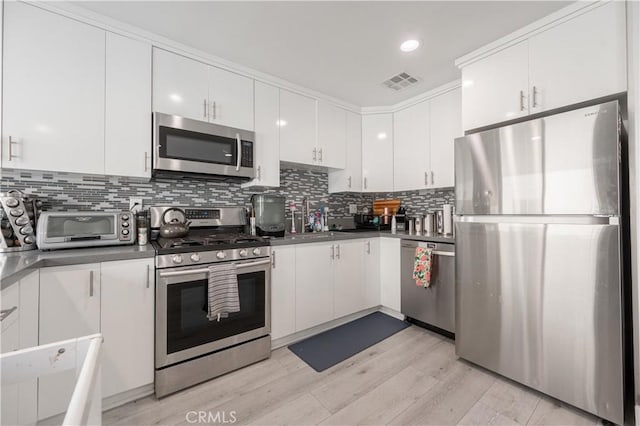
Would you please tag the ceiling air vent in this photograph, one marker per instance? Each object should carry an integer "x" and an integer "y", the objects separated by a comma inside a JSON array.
[{"x": 401, "y": 81}]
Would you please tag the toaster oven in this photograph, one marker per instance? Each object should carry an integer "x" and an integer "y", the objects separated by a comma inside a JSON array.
[{"x": 60, "y": 230}]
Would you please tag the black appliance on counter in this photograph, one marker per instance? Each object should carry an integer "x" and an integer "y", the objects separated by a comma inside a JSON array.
[{"x": 370, "y": 222}]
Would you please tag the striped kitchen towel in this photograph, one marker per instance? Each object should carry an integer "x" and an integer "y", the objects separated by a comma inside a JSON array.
[
  {"x": 422, "y": 267},
  {"x": 223, "y": 291}
]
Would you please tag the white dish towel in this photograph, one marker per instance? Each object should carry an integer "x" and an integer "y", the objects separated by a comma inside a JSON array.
[{"x": 223, "y": 291}]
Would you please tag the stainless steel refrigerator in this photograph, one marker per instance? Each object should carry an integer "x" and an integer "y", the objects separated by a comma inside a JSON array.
[{"x": 538, "y": 255}]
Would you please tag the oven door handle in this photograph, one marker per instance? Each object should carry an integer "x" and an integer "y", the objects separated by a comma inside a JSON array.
[{"x": 206, "y": 270}]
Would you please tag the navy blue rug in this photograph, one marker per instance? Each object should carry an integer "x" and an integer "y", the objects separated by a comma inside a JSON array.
[{"x": 333, "y": 346}]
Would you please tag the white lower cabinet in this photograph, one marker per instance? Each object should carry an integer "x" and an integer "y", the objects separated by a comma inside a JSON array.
[
  {"x": 348, "y": 278},
  {"x": 19, "y": 401},
  {"x": 283, "y": 291},
  {"x": 390, "y": 273},
  {"x": 314, "y": 284},
  {"x": 69, "y": 308},
  {"x": 371, "y": 266},
  {"x": 127, "y": 324}
]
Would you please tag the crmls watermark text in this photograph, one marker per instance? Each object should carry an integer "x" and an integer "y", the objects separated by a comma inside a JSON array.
[{"x": 218, "y": 417}]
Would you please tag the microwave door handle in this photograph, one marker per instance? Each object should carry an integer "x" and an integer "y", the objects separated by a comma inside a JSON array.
[{"x": 239, "y": 151}]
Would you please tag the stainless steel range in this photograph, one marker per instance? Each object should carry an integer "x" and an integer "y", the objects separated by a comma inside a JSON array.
[{"x": 189, "y": 347}]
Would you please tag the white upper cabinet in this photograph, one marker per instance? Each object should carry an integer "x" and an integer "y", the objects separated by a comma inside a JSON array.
[
  {"x": 495, "y": 88},
  {"x": 350, "y": 179},
  {"x": 297, "y": 128},
  {"x": 581, "y": 59},
  {"x": 377, "y": 153},
  {"x": 267, "y": 145},
  {"x": 411, "y": 148},
  {"x": 192, "y": 89},
  {"x": 180, "y": 86},
  {"x": 445, "y": 126},
  {"x": 53, "y": 92},
  {"x": 332, "y": 136},
  {"x": 127, "y": 107},
  {"x": 230, "y": 99},
  {"x": 566, "y": 60}
]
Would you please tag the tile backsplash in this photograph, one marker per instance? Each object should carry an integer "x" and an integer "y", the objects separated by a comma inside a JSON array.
[{"x": 66, "y": 191}]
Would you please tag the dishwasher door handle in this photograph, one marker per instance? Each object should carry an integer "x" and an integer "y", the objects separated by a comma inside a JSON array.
[{"x": 443, "y": 253}]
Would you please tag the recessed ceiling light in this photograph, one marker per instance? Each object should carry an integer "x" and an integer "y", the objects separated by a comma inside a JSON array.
[
  {"x": 409, "y": 45},
  {"x": 382, "y": 135}
]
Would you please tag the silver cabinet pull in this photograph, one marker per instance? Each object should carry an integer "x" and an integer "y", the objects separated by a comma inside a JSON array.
[
  {"x": 426, "y": 178},
  {"x": 349, "y": 180},
  {"x": 273, "y": 259},
  {"x": 148, "y": 279},
  {"x": 205, "y": 108},
  {"x": 522, "y": 100},
  {"x": 534, "y": 101},
  {"x": 213, "y": 110},
  {"x": 259, "y": 172},
  {"x": 6, "y": 312},
  {"x": 320, "y": 154},
  {"x": 11, "y": 143},
  {"x": 368, "y": 247},
  {"x": 432, "y": 179},
  {"x": 337, "y": 251},
  {"x": 90, "y": 283},
  {"x": 365, "y": 183},
  {"x": 146, "y": 157},
  {"x": 333, "y": 252},
  {"x": 314, "y": 154},
  {"x": 239, "y": 151}
]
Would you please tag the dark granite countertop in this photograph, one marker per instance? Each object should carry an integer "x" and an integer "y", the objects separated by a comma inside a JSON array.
[
  {"x": 319, "y": 237},
  {"x": 14, "y": 266}
]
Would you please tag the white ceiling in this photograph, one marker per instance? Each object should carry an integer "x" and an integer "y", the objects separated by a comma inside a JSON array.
[{"x": 343, "y": 49}]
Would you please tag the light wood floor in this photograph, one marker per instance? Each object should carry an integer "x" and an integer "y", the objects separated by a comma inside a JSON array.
[{"x": 412, "y": 377}]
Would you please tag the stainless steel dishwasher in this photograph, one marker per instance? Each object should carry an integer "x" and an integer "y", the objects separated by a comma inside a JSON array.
[{"x": 433, "y": 306}]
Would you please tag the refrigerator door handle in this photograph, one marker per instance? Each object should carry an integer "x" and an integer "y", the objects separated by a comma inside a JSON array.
[{"x": 560, "y": 220}]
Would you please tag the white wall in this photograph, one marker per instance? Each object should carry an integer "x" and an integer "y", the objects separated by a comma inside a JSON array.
[{"x": 633, "y": 31}]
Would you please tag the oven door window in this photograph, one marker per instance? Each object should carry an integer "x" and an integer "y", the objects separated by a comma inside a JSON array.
[
  {"x": 182, "y": 144},
  {"x": 187, "y": 322}
]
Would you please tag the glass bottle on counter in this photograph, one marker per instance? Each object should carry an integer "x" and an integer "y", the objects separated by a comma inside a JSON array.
[{"x": 141, "y": 226}]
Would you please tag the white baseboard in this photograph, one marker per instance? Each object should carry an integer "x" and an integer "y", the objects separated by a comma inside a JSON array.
[
  {"x": 117, "y": 400},
  {"x": 301, "y": 335}
]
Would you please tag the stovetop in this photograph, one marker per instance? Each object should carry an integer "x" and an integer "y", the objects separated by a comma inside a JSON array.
[{"x": 206, "y": 242}]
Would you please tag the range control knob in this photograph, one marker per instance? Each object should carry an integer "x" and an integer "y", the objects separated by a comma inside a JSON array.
[
  {"x": 22, "y": 220},
  {"x": 195, "y": 257},
  {"x": 177, "y": 258},
  {"x": 221, "y": 255},
  {"x": 256, "y": 252},
  {"x": 26, "y": 230},
  {"x": 16, "y": 212},
  {"x": 28, "y": 240},
  {"x": 12, "y": 202},
  {"x": 243, "y": 252}
]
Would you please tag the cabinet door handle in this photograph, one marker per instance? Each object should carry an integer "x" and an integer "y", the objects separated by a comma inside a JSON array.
[
  {"x": 365, "y": 183},
  {"x": 11, "y": 143},
  {"x": 333, "y": 252},
  {"x": 259, "y": 172},
  {"x": 148, "y": 279},
  {"x": 314, "y": 154},
  {"x": 535, "y": 92},
  {"x": 6, "y": 312},
  {"x": 349, "y": 182},
  {"x": 320, "y": 154},
  {"x": 273, "y": 259},
  {"x": 213, "y": 110},
  {"x": 368, "y": 247},
  {"x": 426, "y": 178},
  {"x": 337, "y": 251},
  {"x": 90, "y": 283},
  {"x": 146, "y": 157},
  {"x": 205, "y": 107},
  {"x": 522, "y": 100}
]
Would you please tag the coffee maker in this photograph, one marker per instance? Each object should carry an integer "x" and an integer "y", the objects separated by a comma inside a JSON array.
[{"x": 269, "y": 213}]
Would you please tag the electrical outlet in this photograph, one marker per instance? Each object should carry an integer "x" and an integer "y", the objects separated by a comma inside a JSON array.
[
  {"x": 135, "y": 204},
  {"x": 353, "y": 209}
]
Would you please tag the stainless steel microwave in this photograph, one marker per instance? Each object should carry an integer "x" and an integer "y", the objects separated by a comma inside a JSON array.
[
  {"x": 191, "y": 146},
  {"x": 73, "y": 229}
]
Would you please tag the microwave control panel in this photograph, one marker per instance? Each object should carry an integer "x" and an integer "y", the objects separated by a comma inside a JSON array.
[
  {"x": 247, "y": 154},
  {"x": 126, "y": 227}
]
